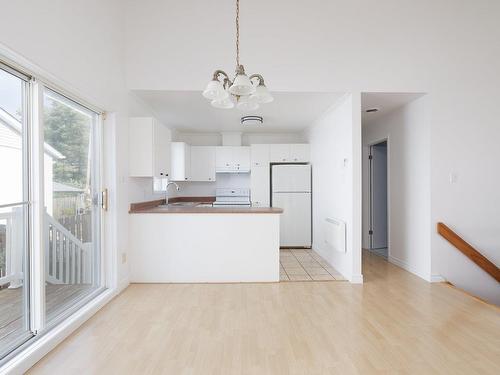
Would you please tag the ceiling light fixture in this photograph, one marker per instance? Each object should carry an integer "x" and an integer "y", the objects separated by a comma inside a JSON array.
[
  {"x": 252, "y": 120},
  {"x": 246, "y": 92}
]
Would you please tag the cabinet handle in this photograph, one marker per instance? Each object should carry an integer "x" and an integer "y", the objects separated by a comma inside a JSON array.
[{"x": 185, "y": 178}]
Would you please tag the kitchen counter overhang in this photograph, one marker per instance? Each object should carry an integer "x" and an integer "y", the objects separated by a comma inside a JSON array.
[
  {"x": 203, "y": 244},
  {"x": 154, "y": 207}
]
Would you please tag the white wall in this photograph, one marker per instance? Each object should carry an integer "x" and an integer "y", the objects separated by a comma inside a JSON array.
[
  {"x": 334, "y": 167},
  {"x": 465, "y": 142},
  {"x": 408, "y": 133}
]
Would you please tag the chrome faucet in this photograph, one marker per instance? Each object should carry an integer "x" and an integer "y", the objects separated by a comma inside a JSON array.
[{"x": 166, "y": 190}]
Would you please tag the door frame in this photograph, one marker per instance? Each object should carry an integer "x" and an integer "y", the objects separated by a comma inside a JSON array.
[{"x": 368, "y": 147}]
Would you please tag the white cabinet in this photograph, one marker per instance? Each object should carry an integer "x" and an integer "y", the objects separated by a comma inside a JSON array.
[
  {"x": 149, "y": 148},
  {"x": 231, "y": 159},
  {"x": 259, "y": 155},
  {"x": 300, "y": 152},
  {"x": 241, "y": 158},
  {"x": 202, "y": 163},
  {"x": 181, "y": 161},
  {"x": 289, "y": 153},
  {"x": 260, "y": 188}
]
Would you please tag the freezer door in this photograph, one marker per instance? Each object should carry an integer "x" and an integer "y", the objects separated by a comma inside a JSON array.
[
  {"x": 295, "y": 222},
  {"x": 291, "y": 178}
]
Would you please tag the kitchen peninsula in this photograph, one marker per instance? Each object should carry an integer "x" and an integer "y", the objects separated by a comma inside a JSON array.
[{"x": 193, "y": 242}]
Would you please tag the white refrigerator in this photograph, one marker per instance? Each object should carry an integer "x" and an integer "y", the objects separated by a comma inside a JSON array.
[{"x": 291, "y": 191}]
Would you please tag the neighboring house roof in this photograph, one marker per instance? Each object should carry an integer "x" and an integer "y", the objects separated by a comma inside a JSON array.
[
  {"x": 63, "y": 188},
  {"x": 10, "y": 134}
]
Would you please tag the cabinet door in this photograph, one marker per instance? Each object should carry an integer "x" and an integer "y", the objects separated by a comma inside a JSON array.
[
  {"x": 187, "y": 162},
  {"x": 279, "y": 153},
  {"x": 260, "y": 186},
  {"x": 180, "y": 161},
  {"x": 259, "y": 155},
  {"x": 161, "y": 150},
  {"x": 299, "y": 152},
  {"x": 202, "y": 163},
  {"x": 140, "y": 147},
  {"x": 223, "y": 158},
  {"x": 241, "y": 158}
]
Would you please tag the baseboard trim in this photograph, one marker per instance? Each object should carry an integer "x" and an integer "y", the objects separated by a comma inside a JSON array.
[
  {"x": 437, "y": 279},
  {"x": 404, "y": 265},
  {"x": 356, "y": 279}
]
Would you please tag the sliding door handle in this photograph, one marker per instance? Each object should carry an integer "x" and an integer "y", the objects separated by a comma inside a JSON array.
[{"x": 104, "y": 199}]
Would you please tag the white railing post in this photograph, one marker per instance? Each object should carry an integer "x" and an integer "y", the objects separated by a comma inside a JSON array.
[
  {"x": 87, "y": 250},
  {"x": 73, "y": 265},
  {"x": 16, "y": 247}
]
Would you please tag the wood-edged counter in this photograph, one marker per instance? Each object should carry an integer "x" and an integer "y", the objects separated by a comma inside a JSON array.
[
  {"x": 198, "y": 207},
  {"x": 224, "y": 244}
]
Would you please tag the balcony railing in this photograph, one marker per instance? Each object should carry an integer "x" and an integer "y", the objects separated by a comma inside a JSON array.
[{"x": 68, "y": 260}]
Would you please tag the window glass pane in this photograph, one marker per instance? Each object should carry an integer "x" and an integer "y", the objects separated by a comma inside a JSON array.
[
  {"x": 14, "y": 324},
  {"x": 11, "y": 137},
  {"x": 72, "y": 235}
]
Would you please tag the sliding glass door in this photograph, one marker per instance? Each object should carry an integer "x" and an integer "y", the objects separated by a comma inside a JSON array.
[
  {"x": 50, "y": 207},
  {"x": 72, "y": 211},
  {"x": 14, "y": 211}
]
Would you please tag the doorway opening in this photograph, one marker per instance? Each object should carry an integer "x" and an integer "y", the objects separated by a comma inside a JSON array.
[{"x": 378, "y": 199}]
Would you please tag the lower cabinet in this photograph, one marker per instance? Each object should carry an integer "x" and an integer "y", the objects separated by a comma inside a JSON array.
[{"x": 260, "y": 186}]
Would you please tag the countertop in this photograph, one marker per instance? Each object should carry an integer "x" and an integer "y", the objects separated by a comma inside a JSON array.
[{"x": 197, "y": 207}]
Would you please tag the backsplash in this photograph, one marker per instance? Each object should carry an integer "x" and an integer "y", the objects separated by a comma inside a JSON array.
[{"x": 224, "y": 180}]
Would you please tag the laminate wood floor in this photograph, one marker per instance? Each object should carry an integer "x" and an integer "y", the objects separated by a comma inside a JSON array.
[
  {"x": 395, "y": 323},
  {"x": 57, "y": 298}
]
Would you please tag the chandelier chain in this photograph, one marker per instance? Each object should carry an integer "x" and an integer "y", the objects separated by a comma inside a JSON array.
[{"x": 237, "y": 33}]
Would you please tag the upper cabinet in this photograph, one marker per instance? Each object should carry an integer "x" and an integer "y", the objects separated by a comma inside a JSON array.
[
  {"x": 279, "y": 153},
  {"x": 232, "y": 159},
  {"x": 300, "y": 152},
  {"x": 259, "y": 155},
  {"x": 289, "y": 153},
  {"x": 149, "y": 148},
  {"x": 181, "y": 161},
  {"x": 202, "y": 163}
]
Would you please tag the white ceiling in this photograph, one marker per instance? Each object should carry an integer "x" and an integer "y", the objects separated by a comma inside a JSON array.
[
  {"x": 385, "y": 102},
  {"x": 189, "y": 111}
]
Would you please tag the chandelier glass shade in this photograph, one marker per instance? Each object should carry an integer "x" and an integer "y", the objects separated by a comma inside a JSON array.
[{"x": 244, "y": 92}]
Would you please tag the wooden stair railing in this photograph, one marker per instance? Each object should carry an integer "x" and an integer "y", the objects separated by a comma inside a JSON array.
[{"x": 469, "y": 251}]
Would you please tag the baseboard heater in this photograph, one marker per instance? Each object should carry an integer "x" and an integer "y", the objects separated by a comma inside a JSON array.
[{"x": 335, "y": 234}]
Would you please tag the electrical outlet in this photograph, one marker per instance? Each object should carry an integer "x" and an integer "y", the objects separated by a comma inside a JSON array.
[{"x": 124, "y": 257}]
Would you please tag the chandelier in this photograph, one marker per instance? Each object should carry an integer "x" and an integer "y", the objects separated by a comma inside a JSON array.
[{"x": 246, "y": 92}]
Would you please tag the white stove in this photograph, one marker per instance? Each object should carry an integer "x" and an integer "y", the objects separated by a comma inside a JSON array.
[{"x": 227, "y": 197}]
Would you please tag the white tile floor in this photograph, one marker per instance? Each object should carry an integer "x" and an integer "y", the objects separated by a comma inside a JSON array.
[{"x": 305, "y": 265}]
